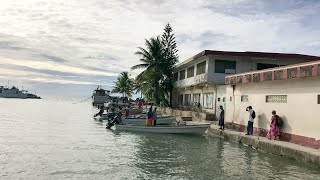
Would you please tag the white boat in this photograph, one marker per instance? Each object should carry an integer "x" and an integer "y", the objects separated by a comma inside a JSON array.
[
  {"x": 142, "y": 120},
  {"x": 106, "y": 116},
  {"x": 165, "y": 129}
]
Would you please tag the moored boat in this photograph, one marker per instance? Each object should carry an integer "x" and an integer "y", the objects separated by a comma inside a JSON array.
[
  {"x": 100, "y": 96},
  {"x": 165, "y": 129},
  {"x": 142, "y": 120}
]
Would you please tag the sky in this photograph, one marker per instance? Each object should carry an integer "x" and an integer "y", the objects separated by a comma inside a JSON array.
[{"x": 68, "y": 47}]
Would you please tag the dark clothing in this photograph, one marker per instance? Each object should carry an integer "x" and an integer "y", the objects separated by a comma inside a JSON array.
[
  {"x": 222, "y": 114},
  {"x": 221, "y": 119},
  {"x": 150, "y": 114},
  {"x": 221, "y": 122},
  {"x": 250, "y": 128}
]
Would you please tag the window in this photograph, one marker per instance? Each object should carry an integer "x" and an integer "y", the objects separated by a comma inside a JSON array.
[
  {"x": 175, "y": 77},
  {"x": 318, "y": 99},
  {"x": 190, "y": 71},
  {"x": 201, "y": 67},
  {"x": 276, "y": 99},
  {"x": 244, "y": 98},
  {"x": 182, "y": 74},
  {"x": 218, "y": 99},
  {"x": 261, "y": 66},
  {"x": 180, "y": 99},
  {"x": 223, "y": 99},
  {"x": 228, "y": 67},
  {"x": 208, "y": 100},
  {"x": 187, "y": 99},
  {"x": 196, "y": 99}
]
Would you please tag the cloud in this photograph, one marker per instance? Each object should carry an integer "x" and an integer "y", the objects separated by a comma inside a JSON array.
[{"x": 83, "y": 42}]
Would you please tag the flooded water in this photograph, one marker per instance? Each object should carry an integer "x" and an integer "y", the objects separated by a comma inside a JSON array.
[{"x": 55, "y": 139}]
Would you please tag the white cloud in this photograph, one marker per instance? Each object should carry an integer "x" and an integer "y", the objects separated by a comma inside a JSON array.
[{"x": 99, "y": 38}]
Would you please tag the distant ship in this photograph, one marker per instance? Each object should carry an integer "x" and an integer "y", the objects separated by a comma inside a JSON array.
[
  {"x": 100, "y": 96},
  {"x": 14, "y": 92}
]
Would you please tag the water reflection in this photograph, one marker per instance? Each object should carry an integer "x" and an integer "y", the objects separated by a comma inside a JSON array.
[{"x": 55, "y": 139}]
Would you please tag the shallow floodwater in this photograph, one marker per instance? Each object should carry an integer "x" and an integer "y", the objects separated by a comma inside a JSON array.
[{"x": 53, "y": 138}]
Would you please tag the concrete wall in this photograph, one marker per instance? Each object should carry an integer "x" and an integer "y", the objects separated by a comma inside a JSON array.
[
  {"x": 196, "y": 116},
  {"x": 221, "y": 99},
  {"x": 300, "y": 113}
]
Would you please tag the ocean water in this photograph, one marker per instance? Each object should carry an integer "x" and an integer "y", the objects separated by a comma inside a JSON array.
[{"x": 53, "y": 138}]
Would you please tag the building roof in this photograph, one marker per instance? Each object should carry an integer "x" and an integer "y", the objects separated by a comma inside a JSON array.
[
  {"x": 294, "y": 71},
  {"x": 250, "y": 54}
]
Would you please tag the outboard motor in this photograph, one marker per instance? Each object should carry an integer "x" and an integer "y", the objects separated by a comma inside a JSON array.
[{"x": 116, "y": 120}]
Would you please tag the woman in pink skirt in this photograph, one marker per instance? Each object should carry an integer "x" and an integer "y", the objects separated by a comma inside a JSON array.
[{"x": 274, "y": 130}]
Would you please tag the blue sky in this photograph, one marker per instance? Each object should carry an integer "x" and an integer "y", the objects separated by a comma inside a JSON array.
[{"x": 69, "y": 47}]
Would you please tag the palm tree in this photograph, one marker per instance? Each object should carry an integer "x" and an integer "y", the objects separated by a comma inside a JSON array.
[
  {"x": 151, "y": 87},
  {"x": 152, "y": 56},
  {"x": 158, "y": 60},
  {"x": 152, "y": 59},
  {"x": 124, "y": 85}
]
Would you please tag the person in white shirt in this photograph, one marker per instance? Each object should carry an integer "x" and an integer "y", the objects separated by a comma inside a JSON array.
[{"x": 252, "y": 115}]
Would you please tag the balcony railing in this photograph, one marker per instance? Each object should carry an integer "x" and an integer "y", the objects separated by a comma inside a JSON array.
[{"x": 192, "y": 81}]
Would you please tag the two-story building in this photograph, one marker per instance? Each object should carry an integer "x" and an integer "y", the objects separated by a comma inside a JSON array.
[
  {"x": 199, "y": 81},
  {"x": 293, "y": 91}
]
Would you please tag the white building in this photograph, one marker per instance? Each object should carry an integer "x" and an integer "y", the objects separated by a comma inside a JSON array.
[
  {"x": 199, "y": 81},
  {"x": 293, "y": 91}
]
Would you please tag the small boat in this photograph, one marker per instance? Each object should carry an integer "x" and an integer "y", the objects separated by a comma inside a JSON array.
[
  {"x": 141, "y": 120},
  {"x": 107, "y": 116},
  {"x": 165, "y": 129}
]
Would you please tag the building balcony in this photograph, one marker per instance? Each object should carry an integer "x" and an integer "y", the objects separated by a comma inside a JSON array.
[
  {"x": 192, "y": 81},
  {"x": 296, "y": 71}
]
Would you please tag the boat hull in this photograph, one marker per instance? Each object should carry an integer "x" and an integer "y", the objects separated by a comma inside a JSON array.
[
  {"x": 186, "y": 129},
  {"x": 142, "y": 121}
]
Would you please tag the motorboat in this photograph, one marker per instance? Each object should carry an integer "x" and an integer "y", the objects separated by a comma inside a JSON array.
[
  {"x": 141, "y": 120},
  {"x": 107, "y": 116},
  {"x": 164, "y": 129}
]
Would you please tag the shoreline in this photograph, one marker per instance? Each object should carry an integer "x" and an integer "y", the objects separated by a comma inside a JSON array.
[{"x": 276, "y": 147}]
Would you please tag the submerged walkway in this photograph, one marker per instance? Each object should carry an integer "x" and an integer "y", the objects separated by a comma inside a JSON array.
[{"x": 281, "y": 148}]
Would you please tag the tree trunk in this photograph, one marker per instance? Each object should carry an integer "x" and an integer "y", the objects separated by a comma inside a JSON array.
[{"x": 170, "y": 95}]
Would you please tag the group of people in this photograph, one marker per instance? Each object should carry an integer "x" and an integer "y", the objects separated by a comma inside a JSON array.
[
  {"x": 275, "y": 125},
  {"x": 152, "y": 116}
]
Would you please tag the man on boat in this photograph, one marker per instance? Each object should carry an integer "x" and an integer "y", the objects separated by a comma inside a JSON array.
[
  {"x": 154, "y": 116},
  {"x": 127, "y": 111},
  {"x": 149, "y": 117}
]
